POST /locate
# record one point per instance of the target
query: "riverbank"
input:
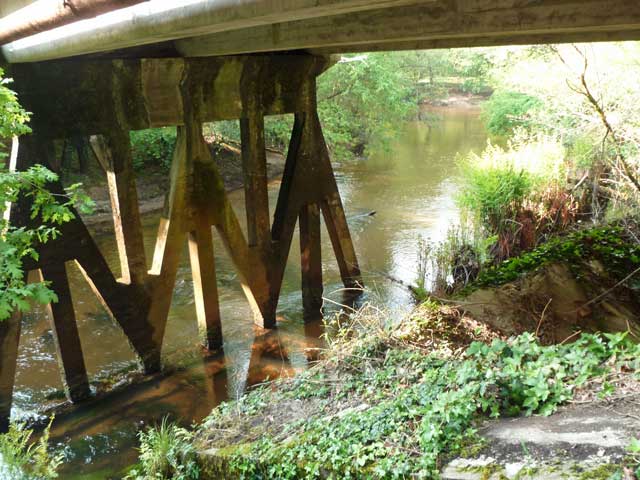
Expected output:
(153, 183)
(443, 393)
(398, 399)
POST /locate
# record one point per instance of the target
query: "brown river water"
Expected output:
(410, 186)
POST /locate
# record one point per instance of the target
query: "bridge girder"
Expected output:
(335, 26)
(441, 24)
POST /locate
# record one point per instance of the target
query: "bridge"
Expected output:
(103, 68)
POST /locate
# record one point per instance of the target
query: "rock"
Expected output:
(512, 470)
(579, 442)
(467, 468)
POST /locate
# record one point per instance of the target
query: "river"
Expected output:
(410, 186)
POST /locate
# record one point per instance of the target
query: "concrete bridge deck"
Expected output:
(194, 28)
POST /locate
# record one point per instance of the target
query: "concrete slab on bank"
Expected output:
(581, 442)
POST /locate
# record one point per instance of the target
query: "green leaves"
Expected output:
(13, 118)
(492, 194)
(19, 243)
(47, 209)
(411, 408)
(26, 460)
(166, 452)
(153, 147)
(363, 98)
(505, 111)
(605, 244)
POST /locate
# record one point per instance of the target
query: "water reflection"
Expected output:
(410, 188)
(94, 430)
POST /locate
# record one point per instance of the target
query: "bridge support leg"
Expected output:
(256, 194)
(336, 222)
(331, 203)
(186, 92)
(9, 341)
(205, 288)
(311, 260)
(113, 151)
(65, 334)
(308, 184)
(254, 166)
(163, 273)
(188, 212)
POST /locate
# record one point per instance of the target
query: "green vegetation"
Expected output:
(17, 243)
(394, 405)
(493, 192)
(585, 102)
(571, 158)
(361, 99)
(166, 452)
(607, 245)
(153, 147)
(506, 111)
(634, 456)
(397, 399)
(22, 459)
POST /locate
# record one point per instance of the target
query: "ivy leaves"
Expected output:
(415, 408)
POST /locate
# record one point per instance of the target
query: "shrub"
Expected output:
(153, 147)
(517, 193)
(506, 111)
(277, 131)
(21, 459)
(166, 452)
(493, 195)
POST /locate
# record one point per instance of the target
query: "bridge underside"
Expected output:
(206, 28)
(106, 99)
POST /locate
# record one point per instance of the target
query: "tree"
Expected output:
(363, 98)
(588, 100)
(18, 243)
